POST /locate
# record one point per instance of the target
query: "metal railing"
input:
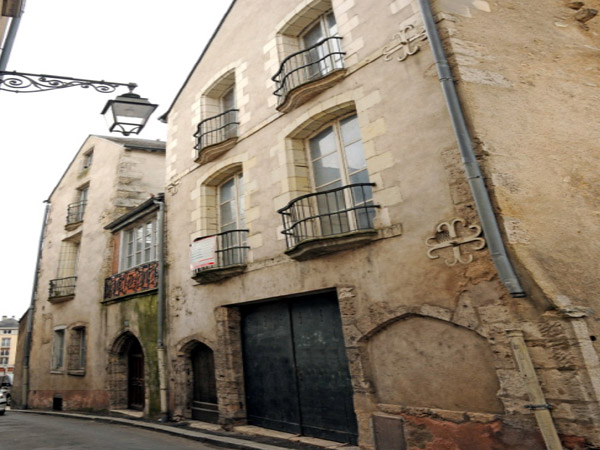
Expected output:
(308, 65)
(133, 281)
(216, 129)
(334, 212)
(62, 287)
(231, 249)
(75, 212)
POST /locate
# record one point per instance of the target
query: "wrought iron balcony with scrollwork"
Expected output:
(308, 66)
(216, 130)
(137, 280)
(75, 212)
(329, 221)
(229, 256)
(62, 287)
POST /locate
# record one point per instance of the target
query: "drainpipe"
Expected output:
(160, 347)
(539, 407)
(31, 311)
(473, 172)
(10, 40)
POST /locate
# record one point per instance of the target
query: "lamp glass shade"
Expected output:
(128, 113)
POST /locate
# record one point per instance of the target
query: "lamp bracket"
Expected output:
(31, 82)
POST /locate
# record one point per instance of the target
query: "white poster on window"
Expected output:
(203, 253)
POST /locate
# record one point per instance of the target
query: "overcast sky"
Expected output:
(153, 43)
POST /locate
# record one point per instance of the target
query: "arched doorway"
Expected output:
(135, 376)
(126, 374)
(204, 390)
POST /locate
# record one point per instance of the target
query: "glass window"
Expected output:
(338, 159)
(77, 349)
(139, 245)
(5, 342)
(231, 218)
(322, 54)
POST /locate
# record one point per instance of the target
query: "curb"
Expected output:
(174, 430)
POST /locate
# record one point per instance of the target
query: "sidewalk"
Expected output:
(242, 437)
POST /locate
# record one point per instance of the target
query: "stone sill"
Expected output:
(306, 91)
(315, 247)
(212, 152)
(444, 414)
(73, 225)
(77, 373)
(218, 273)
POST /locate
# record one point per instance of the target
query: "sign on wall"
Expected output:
(203, 253)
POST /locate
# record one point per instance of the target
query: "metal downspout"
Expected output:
(160, 347)
(10, 40)
(474, 176)
(31, 311)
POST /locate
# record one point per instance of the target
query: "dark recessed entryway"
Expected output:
(296, 370)
(135, 379)
(204, 398)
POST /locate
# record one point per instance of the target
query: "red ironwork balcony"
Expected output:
(137, 280)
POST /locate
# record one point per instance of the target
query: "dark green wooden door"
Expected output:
(296, 370)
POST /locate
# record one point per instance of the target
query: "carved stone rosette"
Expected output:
(452, 235)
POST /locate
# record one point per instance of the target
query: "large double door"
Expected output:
(295, 366)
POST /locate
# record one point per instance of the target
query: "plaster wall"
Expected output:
(117, 179)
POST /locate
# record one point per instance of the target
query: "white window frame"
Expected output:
(129, 236)
(5, 342)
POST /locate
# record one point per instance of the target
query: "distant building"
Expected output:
(9, 332)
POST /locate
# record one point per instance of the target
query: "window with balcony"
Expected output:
(76, 351)
(223, 254)
(314, 59)
(63, 286)
(218, 131)
(58, 349)
(339, 213)
(137, 261)
(75, 210)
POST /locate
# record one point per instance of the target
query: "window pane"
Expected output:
(240, 201)
(331, 25)
(227, 213)
(355, 157)
(227, 191)
(229, 100)
(322, 144)
(314, 35)
(350, 130)
(327, 170)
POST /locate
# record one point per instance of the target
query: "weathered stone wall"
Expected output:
(404, 314)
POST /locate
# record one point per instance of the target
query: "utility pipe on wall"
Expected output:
(473, 172)
(160, 347)
(540, 408)
(31, 311)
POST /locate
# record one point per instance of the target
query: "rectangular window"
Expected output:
(87, 159)
(58, 348)
(3, 361)
(76, 350)
(4, 352)
(139, 245)
(68, 259)
(5, 342)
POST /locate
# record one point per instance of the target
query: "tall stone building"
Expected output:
(94, 334)
(359, 252)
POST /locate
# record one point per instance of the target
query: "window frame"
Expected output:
(76, 363)
(130, 236)
(57, 362)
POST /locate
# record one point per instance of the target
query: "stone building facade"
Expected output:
(95, 309)
(327, 270)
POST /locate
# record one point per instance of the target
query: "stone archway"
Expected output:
(126, 373)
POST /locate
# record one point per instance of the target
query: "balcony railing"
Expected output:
(221, 251)
(216, 129)
(308, 65)
(332, 213)
(62, 287)
(75, 212)
(133, 281)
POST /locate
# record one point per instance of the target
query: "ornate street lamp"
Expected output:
(127, 114)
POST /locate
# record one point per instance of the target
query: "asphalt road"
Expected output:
(21, 431)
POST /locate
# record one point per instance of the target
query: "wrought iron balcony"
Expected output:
(218, 133)
(75, 212)
(62, 287)
(137, 280)
(320, 66)
(219, 256)
(329, 221)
